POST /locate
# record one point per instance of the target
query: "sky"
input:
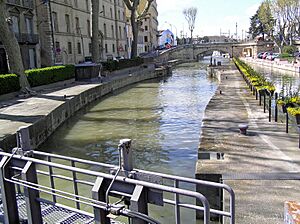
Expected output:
(212, 16)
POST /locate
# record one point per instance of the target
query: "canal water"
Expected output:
(162, 117)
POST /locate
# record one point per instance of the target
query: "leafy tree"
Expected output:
(190, 15)
(137, 15)
(12, 49)
(256, 27)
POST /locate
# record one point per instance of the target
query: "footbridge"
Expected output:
(196, 51)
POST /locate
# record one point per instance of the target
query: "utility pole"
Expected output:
(236, 34)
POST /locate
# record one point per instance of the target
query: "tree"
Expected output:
(265, 17)
(95, 31)
(136, 17)
(190, 15)
(256, 27)
(12, 48)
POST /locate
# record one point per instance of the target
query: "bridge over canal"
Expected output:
(196, 51)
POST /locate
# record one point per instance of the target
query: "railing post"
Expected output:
(264, 102)
(270, 108)
(287, 122)
(138, 203)
(98, 193)
(8, 194)
(51, 179)
(276, 107)
(33, 207)
(23, 136)
(75, 185)
(126, 154)
(176, 199)
(259, 99)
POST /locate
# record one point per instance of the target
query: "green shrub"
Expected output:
(289, 50)
(44, 76)
(122, 64)
(9, 83)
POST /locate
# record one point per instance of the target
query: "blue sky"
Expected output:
(212, 16)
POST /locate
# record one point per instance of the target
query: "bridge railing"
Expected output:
(64, 177)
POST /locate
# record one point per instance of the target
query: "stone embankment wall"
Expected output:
(43, 127)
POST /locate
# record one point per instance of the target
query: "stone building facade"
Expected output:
(70, 32)
(24, 25)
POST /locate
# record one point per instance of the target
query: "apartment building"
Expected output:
(24, 25)
(66, 25)
(148, 32)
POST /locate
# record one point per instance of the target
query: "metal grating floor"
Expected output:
(52, 214)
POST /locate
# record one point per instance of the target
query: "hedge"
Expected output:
(9, 83)
(44, 76)
(122, 64)
(37, 77)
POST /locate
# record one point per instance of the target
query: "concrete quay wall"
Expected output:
(67, 102)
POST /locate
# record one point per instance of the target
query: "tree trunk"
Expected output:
(191, 37)
(95, 32)
(12, 49)
(135, 33)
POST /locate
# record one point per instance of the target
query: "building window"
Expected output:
(113, 48)
(105, 30)
(29, 25)
(145, 48)
(77, 25)
(145, 39)
(111, 13)
(123, 16)
(67, 19)
(87, 5)
(103, 10)
(106, 50)
(78, 48)
(15, 24)
(55, 21)
(112, 31)
(88, 28)
(57, 46)
(146, 28)
(120, 32)
(90, 48)
(69, 48)
(119, 14)
(125, 33)
(76, 3)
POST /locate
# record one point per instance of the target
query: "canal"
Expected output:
(162, 117)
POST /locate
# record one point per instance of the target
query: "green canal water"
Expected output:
(162, 117)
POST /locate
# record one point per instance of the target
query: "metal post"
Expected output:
(75, 185)
(270, 109)
(126, 154)
(256, 95)
(264, 102)
(177, 208)
(23, 137)
(276, 107)
(33, 207)
(51, 179)
(287, 122)
(8, 194)
(259, 99)
(138, 203)
(98, 193)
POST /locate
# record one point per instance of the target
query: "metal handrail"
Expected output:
(56, 192)
(163, 175)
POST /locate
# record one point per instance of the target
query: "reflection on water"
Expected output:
(162, 117)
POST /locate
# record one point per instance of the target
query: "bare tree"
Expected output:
(190, 15)
(95, 31)
(12, 48)
(136, 17)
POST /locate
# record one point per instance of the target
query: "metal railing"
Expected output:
(134, 187)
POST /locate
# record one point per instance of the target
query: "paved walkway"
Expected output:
(258, 166)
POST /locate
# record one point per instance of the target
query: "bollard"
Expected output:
(259, 99)
(264, 102)
(270, 108)
(287, 122)
(276, 107)
(126, 154)
(23, 139)
(256, 95)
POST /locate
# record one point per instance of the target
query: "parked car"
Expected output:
(272, 56)
(260, 54)
(265, 55)
(118, 58)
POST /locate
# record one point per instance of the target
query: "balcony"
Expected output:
(22, 3)
(25, 38)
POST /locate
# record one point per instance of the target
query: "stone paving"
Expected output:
(257, 166)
